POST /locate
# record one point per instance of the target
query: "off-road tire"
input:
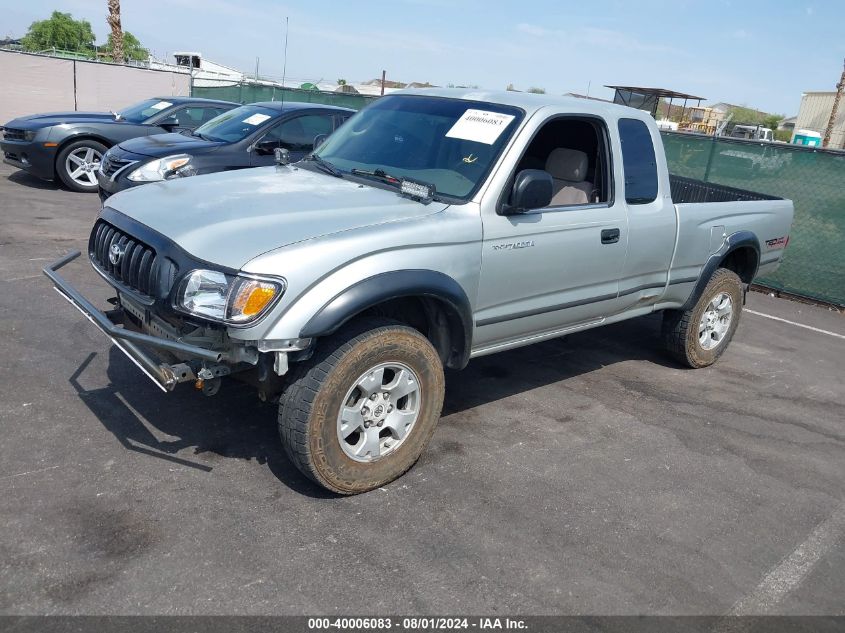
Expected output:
(309, 406)
(681, 327)
(61, 159)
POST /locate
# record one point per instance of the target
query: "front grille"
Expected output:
(10, 134)
(111, 165)
(138, 266)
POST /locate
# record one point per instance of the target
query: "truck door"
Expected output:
(556, 267)
(651, 215)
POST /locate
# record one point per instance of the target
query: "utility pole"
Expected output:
(383, 75)
(829, 131)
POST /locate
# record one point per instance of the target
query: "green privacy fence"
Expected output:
(814, 263)
(250, 93)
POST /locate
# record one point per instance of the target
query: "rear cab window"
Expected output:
(638, 162)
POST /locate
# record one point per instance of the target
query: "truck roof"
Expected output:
(531, 102)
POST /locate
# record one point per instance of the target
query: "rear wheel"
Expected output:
(697, 337)
(77, 165)
(359, 413)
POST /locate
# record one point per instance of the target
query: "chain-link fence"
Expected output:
(814, 263)
(252, 92)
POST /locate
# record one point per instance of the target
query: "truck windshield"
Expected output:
(144, 110)
(448, 143)
(237, 124)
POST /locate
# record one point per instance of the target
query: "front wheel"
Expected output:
(77, 165)
(697, 337)
(359, 413)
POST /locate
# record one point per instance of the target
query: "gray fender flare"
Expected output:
(395, 285)
(734, 241)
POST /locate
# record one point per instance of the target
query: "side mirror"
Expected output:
(282, 156)
(169, 123)
(532, 189)
(319, 140)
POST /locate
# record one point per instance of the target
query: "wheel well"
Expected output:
(437, 320)
(74, 139)
(743, 261)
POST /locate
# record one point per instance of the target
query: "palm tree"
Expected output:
(116, 31)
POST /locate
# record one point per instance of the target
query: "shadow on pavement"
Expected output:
(20, 177)
(188, 429)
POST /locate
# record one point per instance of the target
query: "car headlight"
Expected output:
(166, 168)
(236, 300)
(28, 135)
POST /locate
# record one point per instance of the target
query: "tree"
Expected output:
(132, 49)
(536, 91)
(61, 31)
(341, 82)
(772, 121)
(116, 36)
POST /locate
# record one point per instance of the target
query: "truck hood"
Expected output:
(230, 218)
(160, 145)
(57, 118)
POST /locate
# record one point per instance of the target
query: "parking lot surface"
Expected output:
(588, 475)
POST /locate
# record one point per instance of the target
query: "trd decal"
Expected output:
(778, 242)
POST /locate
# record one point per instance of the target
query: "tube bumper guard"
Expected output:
(128, 341)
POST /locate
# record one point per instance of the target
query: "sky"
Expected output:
(756, 53)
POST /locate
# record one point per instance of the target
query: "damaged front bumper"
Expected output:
(132, 343)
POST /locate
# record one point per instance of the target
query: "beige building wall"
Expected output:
(31, 84)
(814, 114)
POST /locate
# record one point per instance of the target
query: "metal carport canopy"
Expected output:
(654, 94)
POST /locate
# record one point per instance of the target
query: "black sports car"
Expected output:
(69, 145)
(244, 137)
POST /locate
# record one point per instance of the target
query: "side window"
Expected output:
(573, 150)
(297, 135)
(638, 162)
(192, 117)
(340, 119)
(183, 115)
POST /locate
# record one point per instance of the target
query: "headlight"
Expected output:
(232, 299)
(163, 169)
(28, 135)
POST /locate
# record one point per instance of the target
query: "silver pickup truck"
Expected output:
(433, 227)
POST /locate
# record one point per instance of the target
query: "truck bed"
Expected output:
(685, 190)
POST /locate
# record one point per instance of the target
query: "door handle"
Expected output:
(609, 236)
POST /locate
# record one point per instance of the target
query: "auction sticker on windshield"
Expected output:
(161, 105)
(480, 126)
(255, 119)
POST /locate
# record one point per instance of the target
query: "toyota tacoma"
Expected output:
(433, 227)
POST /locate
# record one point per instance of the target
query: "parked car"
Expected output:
(69, 145)
(434, 227)
(243, 137)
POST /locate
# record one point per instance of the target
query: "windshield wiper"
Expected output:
(324, 165)
(377, 173)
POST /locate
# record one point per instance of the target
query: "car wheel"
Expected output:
(359, 413)
(697, 337)
(77, 165)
